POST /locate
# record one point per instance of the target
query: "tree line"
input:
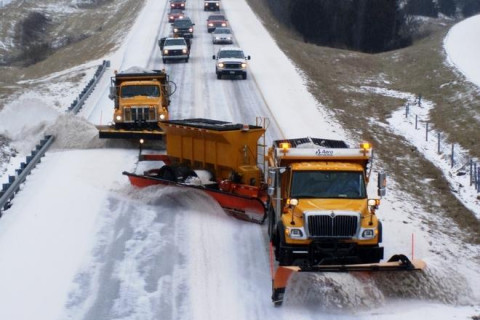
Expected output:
(364, 25)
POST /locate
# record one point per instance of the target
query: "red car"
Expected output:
(175, 14)
(216, 20)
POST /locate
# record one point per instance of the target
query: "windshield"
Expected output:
(175, 42)
(328, 184)
(182, 23)
(231, 54)
(132, 91)
(220, 30)
(216, 18)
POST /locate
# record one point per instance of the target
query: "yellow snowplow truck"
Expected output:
(320, 217)
(141, 100)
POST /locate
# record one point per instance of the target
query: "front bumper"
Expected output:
(176, 57)
(328, 253)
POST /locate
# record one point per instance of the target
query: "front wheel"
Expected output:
(244, 76)
(219, 76)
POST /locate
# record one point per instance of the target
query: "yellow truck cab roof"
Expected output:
(326, 165)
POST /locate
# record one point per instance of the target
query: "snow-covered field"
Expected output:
(80, 243)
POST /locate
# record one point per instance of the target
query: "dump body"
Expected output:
(224, 152)
(141, 100)
(228, 150)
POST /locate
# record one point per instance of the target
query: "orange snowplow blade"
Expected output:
(240, 206)
(397, 262)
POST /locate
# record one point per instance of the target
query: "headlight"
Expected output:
(118, 118)
(244, 65)
(296, 233)
(218, 4)
(175, 30)
(206, 4)
(190, 30)
(221, 65)
(210, 24)
(368, 234)
(224, 24)
(184, 50)
(217, 38)
(162, 116)
(183, 5)
(172, 17)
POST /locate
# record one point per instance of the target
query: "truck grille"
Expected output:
(332, 226)
(135, 114)
(175, 52)
(233, 65)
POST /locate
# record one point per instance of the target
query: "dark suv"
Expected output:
(211, 5)
(183, 28)
(177, 4)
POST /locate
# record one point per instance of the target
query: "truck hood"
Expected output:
(357, 205)
(175, 47)
(237, 60)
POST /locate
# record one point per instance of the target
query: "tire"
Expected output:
(280, 239)
(186, 60)
(271, 224)
(164, 61)
(244, 76)
(219, 76)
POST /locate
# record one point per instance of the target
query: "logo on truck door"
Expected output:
(324, 152)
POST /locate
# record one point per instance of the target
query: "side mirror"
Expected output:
(382, 184)
(112, 93)
(213, 57)
(272, 182)
(248, 57)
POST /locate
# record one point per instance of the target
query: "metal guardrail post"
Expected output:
(14, 183)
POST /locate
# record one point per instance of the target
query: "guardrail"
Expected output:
(9, 189)
(77, 104)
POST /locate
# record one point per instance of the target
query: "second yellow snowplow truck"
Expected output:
(141, 100)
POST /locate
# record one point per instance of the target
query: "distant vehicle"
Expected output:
(222, 35)
(175, 14)
(174, 49)
(183, 28)
(231, 61)
(216, 20)
(177, 4)
(211, 5)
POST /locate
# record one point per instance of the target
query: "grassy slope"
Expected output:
(417, 69)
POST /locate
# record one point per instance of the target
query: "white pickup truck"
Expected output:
(174, 49)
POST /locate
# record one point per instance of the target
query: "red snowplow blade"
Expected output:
(239, 206)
